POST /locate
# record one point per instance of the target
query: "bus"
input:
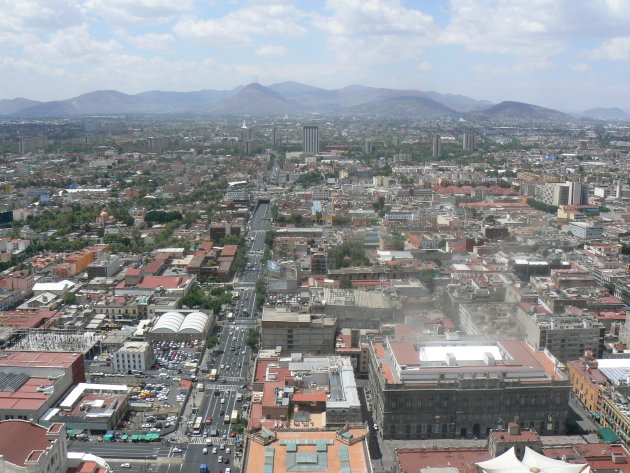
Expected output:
(198, 426)
(213, 375)
(234, 416)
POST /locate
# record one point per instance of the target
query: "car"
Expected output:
(375, 426)
(243, 386)
(226, 460)
(205, 450)
(220, 459)
(222, 413)
(215, 449)
(222, 400)
(227, 451)
(222, 447)
(125, 465)
(208, 420)
(227, 470)
(233, 434)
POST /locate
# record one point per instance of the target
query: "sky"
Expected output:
(564, 54)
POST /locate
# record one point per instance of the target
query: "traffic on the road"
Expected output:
(209, 438)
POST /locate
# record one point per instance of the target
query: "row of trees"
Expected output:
(538, 205)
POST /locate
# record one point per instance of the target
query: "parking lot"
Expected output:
(157, 395)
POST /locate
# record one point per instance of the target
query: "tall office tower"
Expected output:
(311, 139)
(368, 146)
(246, 138)
(437, 146)
(275, 136)
(469, 141)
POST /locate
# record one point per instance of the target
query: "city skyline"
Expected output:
(559, 54)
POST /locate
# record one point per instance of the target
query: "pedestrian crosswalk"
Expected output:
(223, 387)
(213, 441)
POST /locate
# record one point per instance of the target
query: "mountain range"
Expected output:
(292, 98)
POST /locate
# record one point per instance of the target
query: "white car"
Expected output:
(227, 451)
(205, 450)
(125, 465)
(215, 450)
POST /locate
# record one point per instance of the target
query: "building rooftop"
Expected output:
(38, 359)
(300, 451)
(18, 438)
(430, 362)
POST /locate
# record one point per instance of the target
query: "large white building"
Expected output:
(586, 231)
(181, 326)
(133, 356)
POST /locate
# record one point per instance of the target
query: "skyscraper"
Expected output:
(437, 146)
(469, 141)
(246, 138)
(311, 139)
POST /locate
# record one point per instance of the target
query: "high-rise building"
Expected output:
(564, 193)
(437, 146)
(469, 141)
(246, 138)
(311, 139)
(368, 146)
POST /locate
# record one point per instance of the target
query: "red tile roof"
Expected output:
(310, 395)
(412, 461)
(18, 438)
(167, 282)
(229, 250)
(405, 353)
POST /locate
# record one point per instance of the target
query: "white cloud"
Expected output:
(517, 26)
(425, 66)
(615, 49)
(271, 50)
(532, 27)
(152, 41)
(239, 26)
(372, 31)
(580, 68)
(139, 11)
(519, 68)
(45, 15)
(72, 45)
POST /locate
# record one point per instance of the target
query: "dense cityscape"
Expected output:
(313, 293)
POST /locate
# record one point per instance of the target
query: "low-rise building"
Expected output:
(31, 448)
(133, 356)
(297, 332)
(586, 230)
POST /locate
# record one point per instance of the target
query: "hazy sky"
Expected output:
(568, 54)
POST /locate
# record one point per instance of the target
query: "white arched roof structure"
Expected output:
(533, 462)
(195, 322)
(169, 322)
